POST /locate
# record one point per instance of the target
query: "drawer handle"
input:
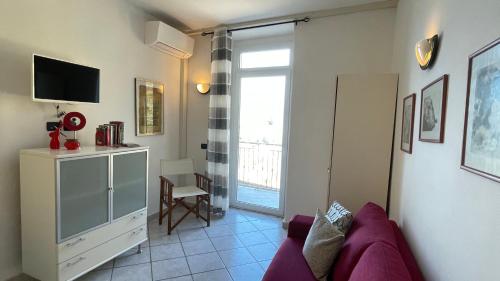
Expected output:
(137, 232)
(71, 244)
(69, 264)
(137, 216)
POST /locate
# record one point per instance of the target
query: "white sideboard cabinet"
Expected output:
(79, 209)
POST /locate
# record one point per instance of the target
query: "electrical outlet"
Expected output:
(51, 126)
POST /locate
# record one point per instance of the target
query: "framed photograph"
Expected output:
(481, 142)
(407, 123)
(148, 107)
(433, 110)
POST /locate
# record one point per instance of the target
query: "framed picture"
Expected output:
(481, 142)
(407, 123)
(433, 110)
(148, 107)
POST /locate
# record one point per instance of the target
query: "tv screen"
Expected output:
(60, 81)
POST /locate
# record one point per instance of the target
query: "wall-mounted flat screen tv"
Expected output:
(59, 81)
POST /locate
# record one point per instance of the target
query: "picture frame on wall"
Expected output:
(433, 110)
(407, 123)
(148, 107)
(481, 139)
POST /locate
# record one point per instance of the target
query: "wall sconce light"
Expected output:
(425, 51)
(203, 88)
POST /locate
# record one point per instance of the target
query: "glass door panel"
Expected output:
(129, 183)
(261, 117)
(260, 105)
(83, 195)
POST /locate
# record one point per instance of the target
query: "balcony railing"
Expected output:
(259, 165)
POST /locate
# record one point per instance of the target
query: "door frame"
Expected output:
(237, 73)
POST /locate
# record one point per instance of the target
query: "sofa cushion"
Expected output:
(380, 262)
(299, 226)
(370, 225)
(406, 254)
(322, 245)
(289, 263)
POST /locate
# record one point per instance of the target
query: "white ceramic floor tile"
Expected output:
(170, 268)
(198, 247)
(168, 251)
(275, 234)
(265, 264)
(216, 275)
(190, 223)
(267, 223)
(218, 230)
(247, 272)
(277, 244)
(131, 257)
(252, 238)
(226, 242)
(106, 265)
(100, 275)
(155, 228)
(246, 242)
(217, 221)
(182, 278)
(262, 252)
(139, 272)
(192, 234)
(235, 218)
(242, 227)
(251, 216)
(156, 239)
(204, 262)
(236, 257)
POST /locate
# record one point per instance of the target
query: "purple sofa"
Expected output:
(374, 250)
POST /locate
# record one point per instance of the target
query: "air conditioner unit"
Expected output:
(168, 40)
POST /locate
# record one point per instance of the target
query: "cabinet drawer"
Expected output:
(84, 262)
(87, 241)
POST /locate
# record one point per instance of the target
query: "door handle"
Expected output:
(135, 217)
(69, 264)
(71, 244)
(137, 232)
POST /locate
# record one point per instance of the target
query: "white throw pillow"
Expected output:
(323, 243)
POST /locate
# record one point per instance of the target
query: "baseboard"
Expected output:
(22, 277)
(156, 215)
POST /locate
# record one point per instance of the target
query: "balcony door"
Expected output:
(260, 102)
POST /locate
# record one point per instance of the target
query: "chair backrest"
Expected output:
(177, 167)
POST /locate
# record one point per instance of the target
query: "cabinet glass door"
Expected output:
(129, 182)
(83, 195)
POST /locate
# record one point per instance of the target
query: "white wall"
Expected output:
(105, 34)
(197, 108)
(324, 48)
(450, 217)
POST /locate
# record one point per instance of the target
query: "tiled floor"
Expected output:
(237, 247)
(259, 196)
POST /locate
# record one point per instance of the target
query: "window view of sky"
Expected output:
(262, 103)
(271, 58)
(261, 109)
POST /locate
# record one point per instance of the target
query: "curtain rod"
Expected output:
(296, 21)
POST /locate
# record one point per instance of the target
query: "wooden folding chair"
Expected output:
(173, 196)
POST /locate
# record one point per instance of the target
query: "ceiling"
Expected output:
(198, 14)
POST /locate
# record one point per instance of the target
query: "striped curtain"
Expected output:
(218, 119)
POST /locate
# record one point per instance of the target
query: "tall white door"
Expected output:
(362, 139)
(259, 124)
